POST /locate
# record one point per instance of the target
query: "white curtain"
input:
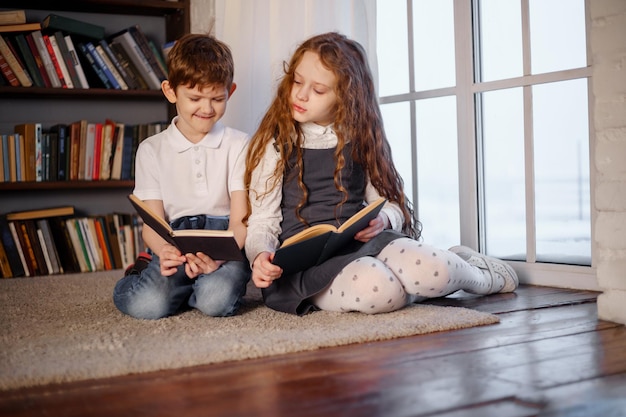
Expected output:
(262, 34)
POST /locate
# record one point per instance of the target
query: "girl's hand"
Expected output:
(376, 226)
(264, 271)
(200, 263)
(170, 259)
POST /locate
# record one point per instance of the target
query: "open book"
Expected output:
(315, 244)
(218, 244)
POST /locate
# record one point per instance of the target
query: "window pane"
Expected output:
(557, 35)
(392, 47)
(503, 154)
(500, 40)
(433, 41)
(562, 195)
(397, 119)
(438, 171)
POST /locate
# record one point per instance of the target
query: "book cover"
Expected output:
(54, 22)
(77, 131)
(44, 250)
(103, 243)
(97, 151)
(218, 244)
(128, 153)
(47, 60)
(315, 244)
(53, 156)
(14, 64)
(108, 139)
(10, 248)
(94, 245)
(87, 152)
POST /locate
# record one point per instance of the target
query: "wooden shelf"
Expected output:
(65, 185)
(132, 7)
(80, 93)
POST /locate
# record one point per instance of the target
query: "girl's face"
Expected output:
(198, 109)
(313, 97)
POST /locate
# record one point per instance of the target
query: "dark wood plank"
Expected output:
(557, 359)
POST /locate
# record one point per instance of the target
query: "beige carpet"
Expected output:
(66, 328)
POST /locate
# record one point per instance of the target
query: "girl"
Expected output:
(319, 155)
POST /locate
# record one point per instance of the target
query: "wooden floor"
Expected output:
(549, 356)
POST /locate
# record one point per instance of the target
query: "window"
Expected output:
(491, 98)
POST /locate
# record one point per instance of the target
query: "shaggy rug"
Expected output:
(65, 328)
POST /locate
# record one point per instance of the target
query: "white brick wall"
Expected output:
(608, 46)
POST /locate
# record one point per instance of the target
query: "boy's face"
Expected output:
(313, 97)
(198, 108)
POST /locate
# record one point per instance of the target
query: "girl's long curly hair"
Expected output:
(357, 120)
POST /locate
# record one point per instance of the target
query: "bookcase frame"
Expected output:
(90, 197)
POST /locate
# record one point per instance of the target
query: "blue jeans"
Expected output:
(150, 295)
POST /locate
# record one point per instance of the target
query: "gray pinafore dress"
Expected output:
(291, 293)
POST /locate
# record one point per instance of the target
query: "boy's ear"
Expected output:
(233, 87)
(168, 91)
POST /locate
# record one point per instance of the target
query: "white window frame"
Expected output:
(471, 192)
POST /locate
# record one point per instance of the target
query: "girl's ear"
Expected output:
(168, 91)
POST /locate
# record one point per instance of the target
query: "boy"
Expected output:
(191, 174)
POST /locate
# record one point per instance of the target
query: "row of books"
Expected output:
(61, 52)
(57, 240)
(80, 150)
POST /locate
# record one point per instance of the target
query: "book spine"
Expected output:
(133, 73)
(29, 60)
(76, 62)
(55, 60)
(25, 263)
(55, 22)
(111, 67)
(94, 66)
(8, 72)
(141, 63)
(47, 60)
(12, 17)
(61, 61)
(67, 59)
(15, 66)
(38, 60)
(128, 79)
(102, 65)
(10, 248)
(144, 45)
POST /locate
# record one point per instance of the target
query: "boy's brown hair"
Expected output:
(202, 60)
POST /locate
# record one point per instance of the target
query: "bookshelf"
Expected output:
(161, 21)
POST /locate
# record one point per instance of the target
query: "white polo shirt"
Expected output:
(191, 179)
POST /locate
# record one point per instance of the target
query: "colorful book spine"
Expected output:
(47, 60)
(76, 62)
(61, 61)
(55, 60)
(15, 66)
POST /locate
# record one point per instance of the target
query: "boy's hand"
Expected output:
(264, 271)
(170, 259)
(200, 263)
